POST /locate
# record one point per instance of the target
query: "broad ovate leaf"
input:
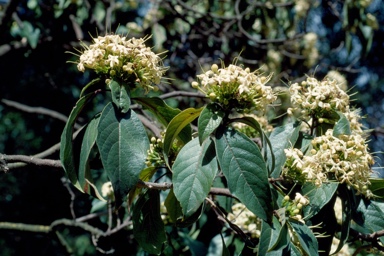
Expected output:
(245, 170)
(193, 173)
(123, 145)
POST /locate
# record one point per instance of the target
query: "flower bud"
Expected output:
(214, 68)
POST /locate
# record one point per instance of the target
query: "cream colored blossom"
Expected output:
(107, 190)
(316, 98)
(127, 60)
(338, 208)
(245, 219)
(344, 159)
(340, 79)
(301, 7)
(237, 88)
(310, 51)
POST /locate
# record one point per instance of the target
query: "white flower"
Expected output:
(236, 88)
(127, 60)
(107, 189)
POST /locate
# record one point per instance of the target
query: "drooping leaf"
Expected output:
(66, 147)
(148, 227)
(209, 119)
(281, 138)
(306, 238)
(193, 173)
(120, 95)
(245, 170)
(173, 207)
(273, 238)
(88, 142)
(346, 206)
(164, 114)
(176, 125)
(123, 146)
(318, 196)
(188, 221)
(342, 126)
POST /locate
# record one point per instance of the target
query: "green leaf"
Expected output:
(377, 186)
(148, 227)
(209, 119)
(66, 146)
(342, 126)
(281, 138)
(87, 144)
(120, 95)
(273, 238)
(372, 215)
(193, 173)
(188, 221)
(173, 207)
(145, 175)
(177, 124)
(164, 114)
(306, 238)
(318, 196)
(269, 155)
(245, 170)
(123, 145)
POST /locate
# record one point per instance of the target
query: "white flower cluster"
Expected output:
(314, 98)
(310, 51)
(127, 60)
(236, 88)
(344, 159)
(245, 219)
(301, 7)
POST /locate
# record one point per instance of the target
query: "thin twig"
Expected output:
(38, 110)
(182, 93)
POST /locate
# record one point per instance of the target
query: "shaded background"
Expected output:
(36, 36)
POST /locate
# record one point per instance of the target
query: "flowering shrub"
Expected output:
(281, 185)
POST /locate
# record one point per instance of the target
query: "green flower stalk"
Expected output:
(236, 88)
(126, 60)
